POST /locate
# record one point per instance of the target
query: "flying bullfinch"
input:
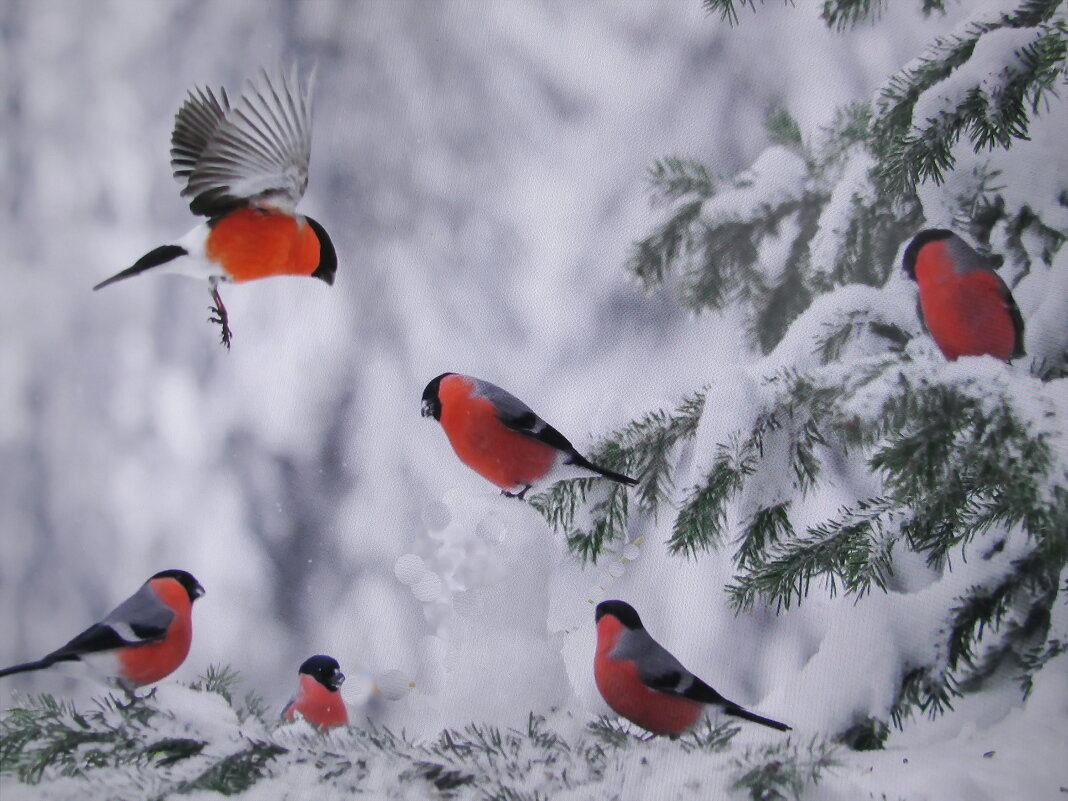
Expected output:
(144, 639)
(963, 302)
(644, 683)
(318, 699)
(244, 167)
(500, 438)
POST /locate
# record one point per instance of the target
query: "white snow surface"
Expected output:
(1000, 46)
(480, 168)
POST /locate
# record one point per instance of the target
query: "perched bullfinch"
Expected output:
(144, 639)
(245, 168)
(500, 438)
(318, 699)
(963, 302)
(644, 683)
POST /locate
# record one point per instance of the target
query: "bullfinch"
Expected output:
(963, 302)
(244, 167)
(644, 683)
(500, 438)
(318, 698)
(142, 640)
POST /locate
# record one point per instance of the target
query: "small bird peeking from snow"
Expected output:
(318, 698)
(502, 439)
(245, 168)
(142, 640)
(645, 684)
(964, 303)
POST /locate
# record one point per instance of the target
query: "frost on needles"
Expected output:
(205, 739)
(950, 479)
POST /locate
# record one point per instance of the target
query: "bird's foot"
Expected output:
(521, 495)
(219, 315)
(131, 697)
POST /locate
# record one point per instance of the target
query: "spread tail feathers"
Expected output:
(738, 712)
(154, 258)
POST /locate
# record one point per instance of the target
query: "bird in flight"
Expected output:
(244, 167)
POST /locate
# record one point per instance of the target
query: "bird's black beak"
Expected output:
(198, 591)
(337, 680)
(427, 409)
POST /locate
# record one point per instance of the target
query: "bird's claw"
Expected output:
(221, 318)
(521, 495)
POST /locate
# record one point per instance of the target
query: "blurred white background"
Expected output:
(480, 167)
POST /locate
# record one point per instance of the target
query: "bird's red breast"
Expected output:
(144, 664)
(505, 457)
(965, 312)
(252, 243)
(621, 687)
(318, 705)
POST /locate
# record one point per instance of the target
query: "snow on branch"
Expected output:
(801, 220)
(838, 14)
(986, 81)
(185, 741)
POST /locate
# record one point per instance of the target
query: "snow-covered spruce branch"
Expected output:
(782, 771)
(645, 448)
(798, 222)
(838, 14)
(952, 90)
(184, 740)
(967, 466)
(807, 217)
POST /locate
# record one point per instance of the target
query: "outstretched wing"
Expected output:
(517, 416)
(195, 125)
(256, 151)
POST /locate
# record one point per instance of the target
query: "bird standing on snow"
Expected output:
(144, 639)
(963, 301)
(644, 683)
(500, 438)
(245, 168)
(318, 699)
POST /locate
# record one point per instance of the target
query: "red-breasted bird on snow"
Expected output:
(318, 699)
(964, 303)
(244, 167)
(144, 639)
(644, 683)
(501, 438)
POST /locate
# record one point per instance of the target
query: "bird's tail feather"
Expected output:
(738, 712)
(581, 461)
(154, 258)
(40, 664)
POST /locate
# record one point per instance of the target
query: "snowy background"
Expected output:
(480, 167)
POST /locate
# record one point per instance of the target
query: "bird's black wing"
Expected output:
(1017, 325)
(103, 637)
(516, 415)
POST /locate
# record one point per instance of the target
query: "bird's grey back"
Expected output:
(142, 609)
(965, 258)
(509, 407)
(653, 660)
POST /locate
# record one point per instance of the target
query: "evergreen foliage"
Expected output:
(845, 201)
(155, 748)
(781, 771)
(968, 460)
